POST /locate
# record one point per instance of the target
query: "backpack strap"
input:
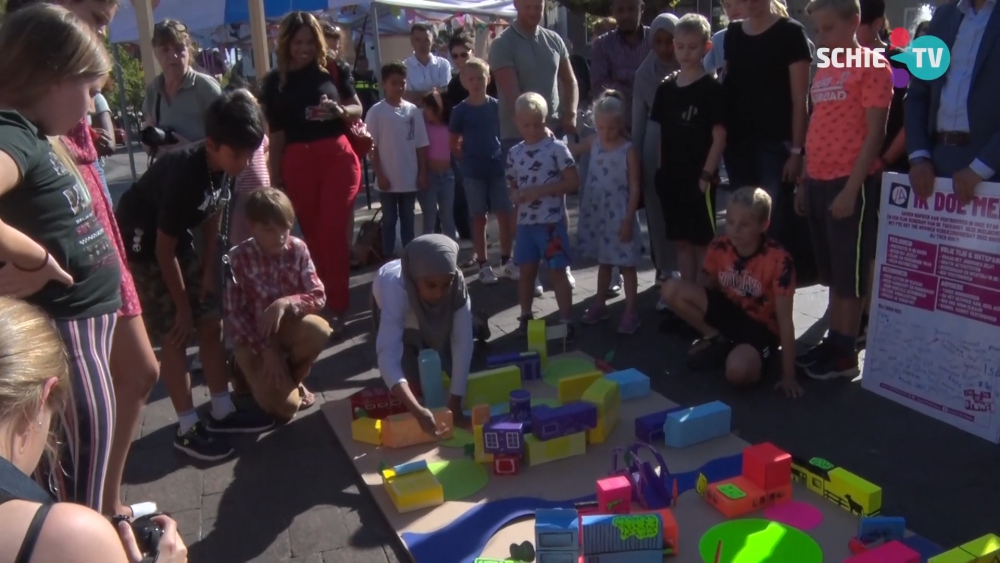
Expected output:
(31, 536)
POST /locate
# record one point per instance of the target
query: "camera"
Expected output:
(155, 137)
(147, 534)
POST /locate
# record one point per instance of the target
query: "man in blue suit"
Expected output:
(953, 123)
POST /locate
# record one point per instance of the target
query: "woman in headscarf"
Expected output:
(646, 135)
(421, 302)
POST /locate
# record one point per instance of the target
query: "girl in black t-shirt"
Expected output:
(55, 252)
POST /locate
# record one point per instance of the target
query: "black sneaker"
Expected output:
(480, 326)
(712, 357)
(834, 365)
(522, 326)
(198, 443)
(570, 332)
(239, 422)
(814, 355)
(862, 340)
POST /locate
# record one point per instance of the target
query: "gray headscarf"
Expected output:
(431, 255)
(652, 71)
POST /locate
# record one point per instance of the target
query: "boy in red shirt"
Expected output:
(744, 309)
(843, 143)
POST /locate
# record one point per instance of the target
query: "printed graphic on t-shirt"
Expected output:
(95, 246)
(411, 129)
(752, 282)
(537, 165)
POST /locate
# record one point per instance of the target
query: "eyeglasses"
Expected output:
(462, 55)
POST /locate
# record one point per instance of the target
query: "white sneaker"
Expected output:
(511, 271)
(662, 306)
(487, 276)
(539, 290)
(570, 278)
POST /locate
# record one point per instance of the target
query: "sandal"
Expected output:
(308, 398)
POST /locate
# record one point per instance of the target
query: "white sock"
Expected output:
(222, 405)
(186, 421)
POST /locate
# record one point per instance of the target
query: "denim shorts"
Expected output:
(487, 195)
(544, 242)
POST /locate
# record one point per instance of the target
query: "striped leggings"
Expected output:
(88, 422)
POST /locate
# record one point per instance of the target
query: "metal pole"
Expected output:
(120, 79)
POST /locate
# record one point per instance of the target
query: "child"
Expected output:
(743, 308)
(181, 191)
(399, 156)
(608, 228)
(250, 179)
(716, 57)
(540, 172)
(271, 307)
(438, 200)
(843, 143)
(475, 138)
(689, 108)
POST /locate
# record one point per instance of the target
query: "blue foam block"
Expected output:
(925, 547)
(697, 424)
(410, 467)
(632, 383)
(557, 529)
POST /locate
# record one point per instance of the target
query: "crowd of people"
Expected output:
(101, 286)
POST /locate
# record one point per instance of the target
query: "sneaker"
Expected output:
(662, 307)
(814, 355)
(487, 276)
(511, 271)
(834, 365)
(616, 287)
(522, 326)
(713, 356)
(570, 332)
(196, 362)
(539, 290)
(595, 314)
(570, 278)
(239, 422)
(629, 323)
(480, 326)
(198, 443)
(862, 341)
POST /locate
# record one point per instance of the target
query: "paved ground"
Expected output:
(292, 495)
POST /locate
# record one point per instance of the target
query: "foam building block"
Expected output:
(492, 386)
(632, 383)
(603, 393)
(538, 341)
(367, 430)
(410, 467)
(375, 402)
(402, 430)
(572, 388)
(413, 491)
(767, 466)
(892, 552)
(505, 438)
(520, 405)
(697, 424)
(671, 532)
(614, 495)
(431, 378)
(887, 528)
(557, 531)
(506, 465)
(618, 538)
(649, 427)
(957, 555)
(736, 497)
(558, 448)
(530, 363)
(981, 550)
(479, 443)
(860, 497)
(925, 547)
(481, 414)
(552, 422)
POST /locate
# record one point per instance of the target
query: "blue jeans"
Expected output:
(396, 207)
(438, 200)
(757, 162)
(104, 180)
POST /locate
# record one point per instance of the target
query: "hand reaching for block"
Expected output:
(429, 425)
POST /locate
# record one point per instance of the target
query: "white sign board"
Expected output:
(934, 331)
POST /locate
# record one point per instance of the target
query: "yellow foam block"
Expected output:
(852, 488)
(402, 430)
(367, 430)
(572, 388)
(413, 491)
(492, 387)
(604, 394)
(538, 341)
(957, 555)
(480, 447)
(550, 450)
(986, 549)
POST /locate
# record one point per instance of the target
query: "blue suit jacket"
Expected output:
(924, 98)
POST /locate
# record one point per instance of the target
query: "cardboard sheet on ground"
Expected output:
(444, 534)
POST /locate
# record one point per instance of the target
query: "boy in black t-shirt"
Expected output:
(689, 108)
(184, 190)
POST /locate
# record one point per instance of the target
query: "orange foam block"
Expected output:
(671, 532)
(736, 497)
(402, 430)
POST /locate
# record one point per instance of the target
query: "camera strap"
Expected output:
(158, 109)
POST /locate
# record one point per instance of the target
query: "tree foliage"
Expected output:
(603, 7)
(132, 75)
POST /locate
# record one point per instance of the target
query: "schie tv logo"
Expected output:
(925, 57)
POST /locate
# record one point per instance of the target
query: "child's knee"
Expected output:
(314, 334)
(743, 366)
(670, 291)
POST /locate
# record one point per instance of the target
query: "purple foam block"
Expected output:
(649, 428)
(548, 423)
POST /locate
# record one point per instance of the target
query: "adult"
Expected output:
(526, 57)
(425, 71)
(616, 55)
(766, 91)
(953, 124)
(421, 302)
(365, 83)
(34, 387)
(646, 134)
(716, 57)
(308, 110)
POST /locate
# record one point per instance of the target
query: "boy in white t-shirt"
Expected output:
(540, 172)
(399, 156)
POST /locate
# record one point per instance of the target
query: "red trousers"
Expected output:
(322, 179)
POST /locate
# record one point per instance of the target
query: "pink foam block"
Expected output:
(892, 552)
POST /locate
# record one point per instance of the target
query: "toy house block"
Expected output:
(766, 465)
(860, 497)
(375, 402)
(603, 394)
(492, 387)
(538, 341)
(649, 427)
(694, 425)
(506, 465)
(367, 430)
(572, 388)
(986, 549)
(886, 528)
(558, 448)
(402, 430)
(413, 491)
(622, 538)
(614, 495)
(520, 405)
(479, 453)
(481, 414)
(632, 383)
(548, 423)
(736, 497)
(431, 378)
(530, 363)
(557, 530)
(892, 552)
(671, 532)
(504, 438)
(957, 555)
(778, 495)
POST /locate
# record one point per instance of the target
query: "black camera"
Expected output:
(147, 534)
(155, 137)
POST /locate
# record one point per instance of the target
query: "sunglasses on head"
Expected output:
(171, 25)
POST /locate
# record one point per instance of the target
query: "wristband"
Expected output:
(38, 269)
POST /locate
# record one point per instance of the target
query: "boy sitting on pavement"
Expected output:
(744, 310)
(271, 307)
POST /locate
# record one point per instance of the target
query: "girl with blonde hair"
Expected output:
(55, 251)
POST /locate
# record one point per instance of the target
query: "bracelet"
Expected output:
(33, 270)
